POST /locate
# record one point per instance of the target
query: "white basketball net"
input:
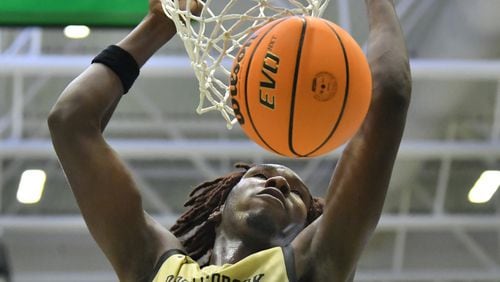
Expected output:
(213, 39)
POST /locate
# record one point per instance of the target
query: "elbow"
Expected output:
(57, 119)
(70, 115)
(60, 122)
(62, 114)
(393, 86)
(398, 90)
(66, 126)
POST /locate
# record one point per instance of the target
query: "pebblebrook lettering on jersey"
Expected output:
(271, 265)
(216, 277)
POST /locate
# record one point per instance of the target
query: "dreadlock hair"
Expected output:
(196, 228)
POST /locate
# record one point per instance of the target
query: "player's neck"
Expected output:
(228, 249)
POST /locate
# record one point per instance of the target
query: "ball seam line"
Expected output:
(346, 94)
(294, 89)
(246, 86)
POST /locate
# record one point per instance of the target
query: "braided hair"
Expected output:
(196, 226)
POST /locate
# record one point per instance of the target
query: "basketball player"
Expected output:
(257, 224)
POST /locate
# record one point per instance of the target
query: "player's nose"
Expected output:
(280, 183)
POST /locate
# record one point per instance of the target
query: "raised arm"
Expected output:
(359, 184)
(106, 194)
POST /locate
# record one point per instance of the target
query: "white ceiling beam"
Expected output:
(75, 223)
(179, 66)
(163, 149)
(438, 223)
(454, 275)
(362, 276)
(442, 69)
(71, 65)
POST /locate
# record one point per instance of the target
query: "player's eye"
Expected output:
(298, 193)
(260, 175)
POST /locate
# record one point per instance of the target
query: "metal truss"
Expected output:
(475, 237)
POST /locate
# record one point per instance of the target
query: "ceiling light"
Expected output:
(31, 186)
(485, 187)
(76, 31)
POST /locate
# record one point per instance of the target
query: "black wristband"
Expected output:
(121, 63)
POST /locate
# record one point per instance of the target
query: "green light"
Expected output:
(108, 13)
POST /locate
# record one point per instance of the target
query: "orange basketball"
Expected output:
(300, 86)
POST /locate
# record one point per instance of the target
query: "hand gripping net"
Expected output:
(213, 38)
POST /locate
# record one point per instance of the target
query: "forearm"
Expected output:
(149, 36)
(90, 99)
(154, 32)
(372, 151)
(363, 173)
(387, 52)
(358, 188)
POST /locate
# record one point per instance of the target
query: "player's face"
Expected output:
(270, 202)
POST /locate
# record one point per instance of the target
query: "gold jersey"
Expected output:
(271, 265)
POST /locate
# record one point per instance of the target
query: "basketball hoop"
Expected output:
(213, 38)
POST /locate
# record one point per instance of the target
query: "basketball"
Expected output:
(300, 86)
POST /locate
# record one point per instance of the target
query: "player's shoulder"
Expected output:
(313, 260)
